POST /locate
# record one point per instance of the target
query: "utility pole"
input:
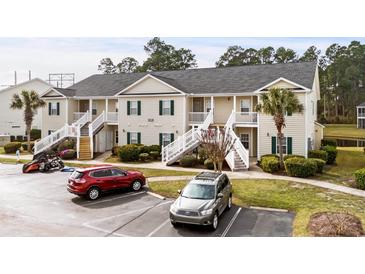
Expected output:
(15, 78)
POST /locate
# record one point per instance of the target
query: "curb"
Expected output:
(156, 195)
(269, 209)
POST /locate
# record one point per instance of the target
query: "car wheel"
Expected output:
(93, 193)
(136, 185)
(229, 204)
(215, 221)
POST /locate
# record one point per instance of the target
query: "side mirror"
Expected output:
(179, 191)
(220, 195)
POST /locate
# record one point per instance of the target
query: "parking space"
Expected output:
(39, 205)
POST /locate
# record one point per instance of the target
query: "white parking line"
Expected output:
(105, 231)
(158, 228)
(116, 198)
(231, 222)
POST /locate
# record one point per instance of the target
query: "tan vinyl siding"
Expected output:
(72, 108)
(252, 138)
(222, 109)
(150, 85)
(150, 129)
(295, 128)
(53, 122)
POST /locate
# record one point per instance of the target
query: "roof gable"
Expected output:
(283, 83)
(32, 84)
(52, 92)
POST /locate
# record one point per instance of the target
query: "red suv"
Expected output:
(91, 182)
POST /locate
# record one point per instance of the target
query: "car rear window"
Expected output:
(76, 174)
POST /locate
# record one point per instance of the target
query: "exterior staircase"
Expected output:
(185, 143)
(85, 149)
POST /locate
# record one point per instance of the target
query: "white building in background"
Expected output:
(12, 121)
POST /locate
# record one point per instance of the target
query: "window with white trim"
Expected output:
(285, 145)
(166, 139)
(94, 109)
(245, 105)
(166, 107)
(134, 138)
(134, 108)
(208, 105)
(245, 140)
(53, 108)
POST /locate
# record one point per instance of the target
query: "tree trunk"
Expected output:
(28, 138)
(215, 166)
(280, 139)
(220, 166)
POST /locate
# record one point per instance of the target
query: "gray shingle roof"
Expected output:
(238, 79)
(362, 104)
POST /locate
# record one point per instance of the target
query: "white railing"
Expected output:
(237, 145)
(55, 137)
(246, 117)
(78, 115)
(185, 142)
(94, 125)
(197, 117)
(83, 119)
(112, 117)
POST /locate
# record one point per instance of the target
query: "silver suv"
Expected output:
(202, 200)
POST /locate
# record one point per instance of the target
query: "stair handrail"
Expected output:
(83, 120)
(94, 125)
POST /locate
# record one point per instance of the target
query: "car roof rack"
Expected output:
(208, 175)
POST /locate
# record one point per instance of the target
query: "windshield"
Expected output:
(199, 191)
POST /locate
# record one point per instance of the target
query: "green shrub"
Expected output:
(153, 148)
(319, 163)
(154, 154)
(360, 178)
(144, 157)
(115, 150)
(270, 155)
(25, 145)
(329, 142)
(66, 144)
(188, 161)
(202, 155)
(19, 138)
(300, 167)
(128, 153)
(12, 147)
(318, 154)
(208, 163)
(68, 154)
(270, 164)
(286, 157)
(35, 134)
(331, 154)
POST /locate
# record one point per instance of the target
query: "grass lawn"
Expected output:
(346, 131)
(116, 160)
(302, 199)
(22, 152)
(349, 159)
(148, 172)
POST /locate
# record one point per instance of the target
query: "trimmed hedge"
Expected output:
(270, 155)
(148, 149)
(188, 161)
(68, 154)
(154, 154)
(25, 145)
(208, 163)
(318, 154)
(270, 164)
(115, 150)
(300, 167)
(329, 142)
(202, 155)
(66, 144)
(144, 157)
(360, 178)
(286, 157)
(331, 154)
(128, 153)
(320, 164)
(12, 147)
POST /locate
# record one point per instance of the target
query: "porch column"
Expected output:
(91, 107)
(184, 116)
(78, 106)
(106, 105)
(67, 114)
(212, 102)
(234, 103)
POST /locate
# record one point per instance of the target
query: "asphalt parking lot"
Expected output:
(38, 204)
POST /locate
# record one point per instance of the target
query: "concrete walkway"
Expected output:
(255, 173)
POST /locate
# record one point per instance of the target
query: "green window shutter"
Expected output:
(58, 108)
(139, 107)
(138, 137)
(160, 103)
(273, 144)
(128, 107)
(172, 137)
(161, 139)
(49, 109)
(289, 113)
(289, 145)
(128, 138)
(172, 108)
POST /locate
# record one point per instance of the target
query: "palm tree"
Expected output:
(277, 103)
(29, 101)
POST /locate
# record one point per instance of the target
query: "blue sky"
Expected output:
(82, 55)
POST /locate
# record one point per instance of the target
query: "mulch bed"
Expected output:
(332, 224)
